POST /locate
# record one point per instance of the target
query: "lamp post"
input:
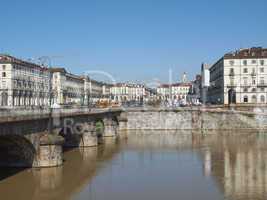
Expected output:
(46, 60)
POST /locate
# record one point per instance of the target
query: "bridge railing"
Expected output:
(4, 113)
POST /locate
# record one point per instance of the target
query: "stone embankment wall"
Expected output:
(194, 119)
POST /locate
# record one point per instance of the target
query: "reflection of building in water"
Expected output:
(240, 168)
(247, 175)
(207, 163)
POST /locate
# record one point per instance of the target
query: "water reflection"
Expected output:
(80, 166)
(239, 164)
(152, 166)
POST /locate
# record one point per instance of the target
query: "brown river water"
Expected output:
(151, 166)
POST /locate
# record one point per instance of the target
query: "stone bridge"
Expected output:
(31, 139)
(35, 138)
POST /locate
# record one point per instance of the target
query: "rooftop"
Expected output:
(175, 85)
(254, 52)
(12, 60)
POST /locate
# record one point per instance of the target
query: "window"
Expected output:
(245, 62)
(262, 62)
(253, 89)
(262, 89)
(262, 70)
(245, 79)
(262, 80)
(3, 74)
(4, 84)
(232, 81)
(245, 90)
(15, 83)
(262, 98)
(253, 61)
(245, 70)
(231, 70)
(245, 99)
(231, 62)
(4, 67)
(254, 99)
(253, 82)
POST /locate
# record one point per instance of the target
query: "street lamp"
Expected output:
(46, 60)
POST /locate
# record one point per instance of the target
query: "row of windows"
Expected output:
(29, 84)
(245, 70)
(245, 62)
(246, 82)
(254, 90)
(254, 99)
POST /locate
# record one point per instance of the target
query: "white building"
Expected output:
(23, 83)
(106, 90)
(175, 91)
(73, 89)
(122, 92)
(96, 90)
(240, 77)
(28, 84)
(67, 88)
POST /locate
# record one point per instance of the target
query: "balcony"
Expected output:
(231, 85)
(245, 85)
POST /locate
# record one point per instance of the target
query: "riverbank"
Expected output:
(195, 119)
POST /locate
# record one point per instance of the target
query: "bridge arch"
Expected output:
(16, 151)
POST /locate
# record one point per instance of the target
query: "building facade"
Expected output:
(96, 90)
(175, 91)
(123, 92)
(240, 77)
(23, 83)
(67, 88)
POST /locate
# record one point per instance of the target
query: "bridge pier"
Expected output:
(122, 129)
(80, 135)
(49, 152)
(110, 128)
(31, 150)
(89, 136)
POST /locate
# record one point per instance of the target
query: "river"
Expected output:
(150, 166)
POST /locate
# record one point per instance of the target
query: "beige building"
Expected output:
(23, 83)
(239, 77)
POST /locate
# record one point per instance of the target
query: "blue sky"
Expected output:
(131, 39)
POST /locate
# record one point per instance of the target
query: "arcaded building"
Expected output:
(23, 83)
